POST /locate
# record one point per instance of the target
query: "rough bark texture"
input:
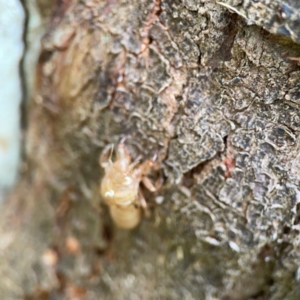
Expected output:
(216, 99)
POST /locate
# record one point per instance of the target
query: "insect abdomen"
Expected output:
(126, 217)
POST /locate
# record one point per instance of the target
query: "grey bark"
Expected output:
(213, 90)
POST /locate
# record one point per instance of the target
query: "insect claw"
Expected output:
(155, 164)
(104, 155)
(125, 138)
(111, 152)
(154, 157)
(136, 162)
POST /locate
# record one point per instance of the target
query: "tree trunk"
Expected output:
(212, 89)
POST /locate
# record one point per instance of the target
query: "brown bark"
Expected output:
(216, 99)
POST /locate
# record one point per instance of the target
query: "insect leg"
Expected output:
(148, 184)
(160, 181)
(104, 155)
(135, 162)
(122, 152)
(143, 203)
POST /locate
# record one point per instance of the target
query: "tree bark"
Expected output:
(213, 90)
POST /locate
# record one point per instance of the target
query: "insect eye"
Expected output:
(127, 180)
(109, 194)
